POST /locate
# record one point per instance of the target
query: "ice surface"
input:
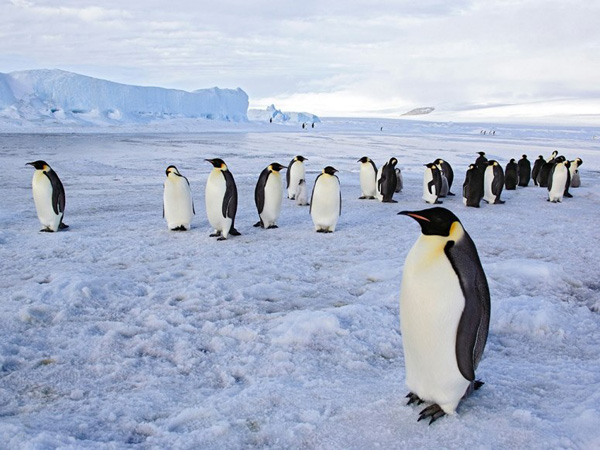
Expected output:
(278, 116)
(120, 334)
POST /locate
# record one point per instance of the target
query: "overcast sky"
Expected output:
(375, 57)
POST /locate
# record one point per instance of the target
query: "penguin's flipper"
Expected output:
(433, 412)
(230, 198)
(287, 174)
(475, 319)
(374, 167)
(550, 179)
(431, 187)
(497, 182)
(58, 192)
(259, 190)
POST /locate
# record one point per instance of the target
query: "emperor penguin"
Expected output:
(511, 175)
(432, 183)
(481, 162)
(295, 172)
(544, 173)
(493, 181)
(386, 185)
(574, 169)
(48, 196)
(447, 172)
(301, 193)
(368, 178)
(326, 201)
(473, 187)
(537, 167)
(399, 181)
(178, 206)
(444, 313)
(221, 200)
(558, 180)
(268, 195)
(524, 171)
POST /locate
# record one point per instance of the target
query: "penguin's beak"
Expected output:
(29, 164)
(417, 217)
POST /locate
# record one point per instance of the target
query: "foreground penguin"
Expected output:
(48, 196)
(268, 196)
(432, 183)
(537, 167)
(544, 173)
(444, 313)
(511, 175)
(524, 171)
(493, 182)
(473, 187)
(326, 201)
(221, 200)
(178, 207)
(559, 180)
(295, 172)
(368, 178)
(386, 185)
(447, 173)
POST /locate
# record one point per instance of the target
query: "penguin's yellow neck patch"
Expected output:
(456, 231)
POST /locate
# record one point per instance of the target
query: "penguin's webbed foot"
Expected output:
(413, 398)
(46, 230)
(363, 197)
(437, 202)
(451, 194)
(221, 238)
(321, 230)
(499, 202)
(389, 200)
(215, 234)
(432, 412)
(477, 384)
(258, 224)
(234, 232)
(64, 226)
(568, 195)
(270, 227)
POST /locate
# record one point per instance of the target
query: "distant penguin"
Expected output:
(524, 171)
(481, 162)
(537, 167)
(493, 181)
(326, 201)
(295, 172)
(221, 200)
(432, 183)
(399, 181)
(473, 187)
(544, 173)
(448, 173)
(48, 196)
(268, 195)
(388, 181)
(368, 178)
(574, 169)
(178, 206)
(558, 180)
(301, 193)
(444, 313)
(511, 175)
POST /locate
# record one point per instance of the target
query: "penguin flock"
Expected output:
(444, 295)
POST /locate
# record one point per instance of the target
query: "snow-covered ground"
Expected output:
(120, 334)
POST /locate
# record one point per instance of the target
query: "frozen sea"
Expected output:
(119, 334)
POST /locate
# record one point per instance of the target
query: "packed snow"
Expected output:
(118, 333)
(33, 98)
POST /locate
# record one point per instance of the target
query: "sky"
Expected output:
(348, 58)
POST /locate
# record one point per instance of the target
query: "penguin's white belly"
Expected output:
(431, 305)
(378, 194)
(445, 188)
(368, 180)
(325, 208)
(273, 197)
(297, 173)
(178, 203)
(427, 196)
(559, 182)
(488, 179)
(42, 197)
(215, 192)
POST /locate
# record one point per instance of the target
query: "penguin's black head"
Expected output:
(364, 159)
(439, 161)
(541, 157)
(512, 160)
(301, 158)
(329, 170)
(481, 153)
(276, 167)
(434, 221)
(492, 162)
(39, 164)
(560, 159)
(171, 169)
(524, 156)
(393, 162)
(579, 161)
(431, 166)
(218, 163)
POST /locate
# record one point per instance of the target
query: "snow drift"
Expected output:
(56, 96)
(281, 117)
